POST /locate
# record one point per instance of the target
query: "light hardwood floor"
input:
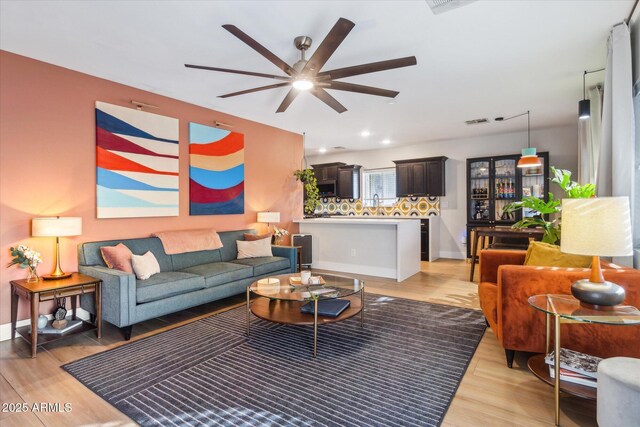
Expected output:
(490, 394)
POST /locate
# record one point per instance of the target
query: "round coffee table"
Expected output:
(281, 301)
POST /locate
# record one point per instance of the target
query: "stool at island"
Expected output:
(619, 392)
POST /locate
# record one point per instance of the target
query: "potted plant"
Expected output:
(572, 190)
(311, 193)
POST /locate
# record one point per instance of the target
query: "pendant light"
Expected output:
(584, 106)
(529, 157)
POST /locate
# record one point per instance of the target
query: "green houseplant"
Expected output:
(311, 193)
(572, 190)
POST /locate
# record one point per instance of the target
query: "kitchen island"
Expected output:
(384, 247)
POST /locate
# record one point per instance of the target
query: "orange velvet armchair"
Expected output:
(506, 284)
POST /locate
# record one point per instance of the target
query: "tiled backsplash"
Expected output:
(405, 206)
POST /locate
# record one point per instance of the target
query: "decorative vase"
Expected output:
(277, 240)
(32, 274)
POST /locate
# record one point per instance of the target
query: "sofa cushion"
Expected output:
(220, 273)
(189, 259)
(145, 265)
(264, 265)
(167, 284)
(543, 254)
(89, 253)
(117, 257)
(250, 237)
(254, 248)
(228, 238)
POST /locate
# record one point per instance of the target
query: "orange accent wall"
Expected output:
(48, 165)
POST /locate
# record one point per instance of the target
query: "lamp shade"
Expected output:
(269, 217)
(56, 226)
(596, 227)
(584, 109)
(529, 159)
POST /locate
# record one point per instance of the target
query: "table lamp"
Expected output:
(269, 217)
(56, 227)
(597, 227)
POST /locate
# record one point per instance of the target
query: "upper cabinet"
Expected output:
(349, 182)
(420, 177)
(338, 179)
(327, 171)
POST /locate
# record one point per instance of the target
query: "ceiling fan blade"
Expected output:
(259, 48)
(369, 90)
(257, 89)
(329, 45)
(288, 100)
(324, 96)
(372, 67)
(227, 70)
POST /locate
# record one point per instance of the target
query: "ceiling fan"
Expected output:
(306, 75)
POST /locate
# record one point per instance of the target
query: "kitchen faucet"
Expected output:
(376, 202)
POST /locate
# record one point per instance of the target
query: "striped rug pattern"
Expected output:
(401, 369)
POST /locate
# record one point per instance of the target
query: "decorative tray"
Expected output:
(296, 281)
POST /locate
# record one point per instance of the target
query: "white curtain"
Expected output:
(617, 151)
(589, 133)
(615, 175)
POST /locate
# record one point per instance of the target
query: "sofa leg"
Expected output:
(92, 318)
(510, 355)
(487, 322)
(127, 332)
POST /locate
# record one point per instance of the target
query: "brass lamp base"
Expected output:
(56, 277)
(596, 294)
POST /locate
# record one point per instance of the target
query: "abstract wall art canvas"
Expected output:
(216, 171)
(137, 163)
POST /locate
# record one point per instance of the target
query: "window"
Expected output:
(381, 182)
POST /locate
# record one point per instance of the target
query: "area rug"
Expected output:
(401, 369)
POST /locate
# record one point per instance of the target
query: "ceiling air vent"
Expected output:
(441, 6)
(476, 121)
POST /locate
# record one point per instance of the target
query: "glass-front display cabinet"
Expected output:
(494, 182)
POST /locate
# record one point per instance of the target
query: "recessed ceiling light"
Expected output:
(386, 141)
(391, 102)
(322, 150)
(365, 133)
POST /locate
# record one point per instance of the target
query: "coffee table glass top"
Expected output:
(568, 307)
(334, 287)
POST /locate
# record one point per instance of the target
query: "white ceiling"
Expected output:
(490, 58)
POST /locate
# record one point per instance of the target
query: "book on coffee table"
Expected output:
(327, 307)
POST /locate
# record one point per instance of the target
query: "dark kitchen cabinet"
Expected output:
(349, 182)
(327, 171)
(420, 177)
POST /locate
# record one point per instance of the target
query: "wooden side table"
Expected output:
(47, 290)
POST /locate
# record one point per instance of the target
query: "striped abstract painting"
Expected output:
(216, 171)
(137, 163)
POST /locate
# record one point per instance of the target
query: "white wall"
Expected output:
(561, 143)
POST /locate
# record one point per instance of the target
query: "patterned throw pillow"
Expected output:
(117, 257)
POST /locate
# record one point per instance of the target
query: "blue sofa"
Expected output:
(185, 280)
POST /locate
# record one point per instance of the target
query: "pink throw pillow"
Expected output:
(250, 237)
(117, 257)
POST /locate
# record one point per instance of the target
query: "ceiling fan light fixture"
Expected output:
(302, 83)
